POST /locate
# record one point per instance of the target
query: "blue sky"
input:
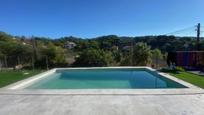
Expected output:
(91, 18)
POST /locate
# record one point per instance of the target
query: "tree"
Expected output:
(5, 37)
(141, 54)
(156, 54)
(106, 42)
(50, 55)
(1, 55)
(138, 55)
(93, 58)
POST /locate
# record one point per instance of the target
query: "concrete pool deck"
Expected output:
(111, 102)
(14, 100)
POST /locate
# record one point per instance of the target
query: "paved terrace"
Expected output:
(102, 102)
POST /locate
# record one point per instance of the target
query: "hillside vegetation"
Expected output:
(108, 50)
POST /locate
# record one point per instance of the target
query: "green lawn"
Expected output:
(8, 77)
(189, 77)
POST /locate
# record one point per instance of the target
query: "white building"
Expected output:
(69, 45)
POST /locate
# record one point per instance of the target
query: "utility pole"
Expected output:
(197, 42)
(198, 36)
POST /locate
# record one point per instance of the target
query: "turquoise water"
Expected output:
(104, 79)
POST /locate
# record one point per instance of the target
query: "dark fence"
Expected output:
(187, 59)
(16, 62)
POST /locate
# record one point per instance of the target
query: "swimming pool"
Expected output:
(108, 78)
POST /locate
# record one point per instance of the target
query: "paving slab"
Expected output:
(23, 102)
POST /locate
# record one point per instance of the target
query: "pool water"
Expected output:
(104, 79)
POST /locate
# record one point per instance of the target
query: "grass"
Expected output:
(197, 80)
(8, 77)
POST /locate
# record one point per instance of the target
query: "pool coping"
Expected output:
(18, 87)
(93, 92)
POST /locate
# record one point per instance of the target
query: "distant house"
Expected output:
(126, 47)
(115, 47)
(26, 42)
(69, 45)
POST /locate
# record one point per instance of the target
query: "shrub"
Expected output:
(179, 69)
